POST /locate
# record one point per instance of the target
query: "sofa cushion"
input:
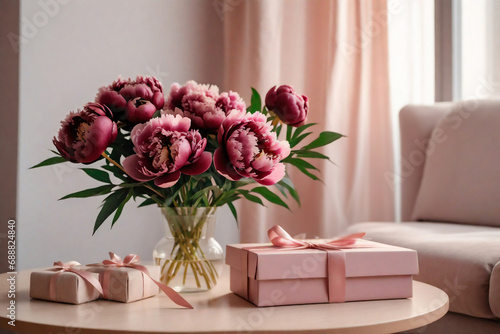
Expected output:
(458, 259)
(461, 182)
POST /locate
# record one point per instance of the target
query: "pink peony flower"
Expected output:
(165, 147)
(230, 101)
(290, 107)
(85, 134)
(202, 104)
(136, 101)
(249, 148)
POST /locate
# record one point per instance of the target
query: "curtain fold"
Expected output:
(336, 53)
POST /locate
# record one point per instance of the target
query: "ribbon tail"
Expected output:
(87, 276)
(173, 295)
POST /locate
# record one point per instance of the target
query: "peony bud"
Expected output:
(290, 107)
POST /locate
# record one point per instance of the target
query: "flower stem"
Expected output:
(187, 255)
(114, 162)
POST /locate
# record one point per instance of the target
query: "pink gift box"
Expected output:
(69, 287)
(267, 275)
(126, 284)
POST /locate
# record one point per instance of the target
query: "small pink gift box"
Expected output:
(267, 275)
(65, 283)
(127, 281)
(125, 284)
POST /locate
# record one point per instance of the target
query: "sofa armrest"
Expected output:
(416, 123)
(494, 296)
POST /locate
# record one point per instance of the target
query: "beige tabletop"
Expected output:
(220, 311)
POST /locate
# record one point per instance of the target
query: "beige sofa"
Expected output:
(450, 196)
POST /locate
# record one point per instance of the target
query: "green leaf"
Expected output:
(227, 200)
(101, 190)
(289, 130)
(233, 211)
(278, 130)
(120, 207)
(130, 185)
(117, 172)
(50, 161)
(156, 200)
(227, 185)
(205, 200)
(217, 198)
(301, 129)
(215, 189)
(295, 141)
(110, 204)
(156, 114)
(169, 200)
(243, 182)
(264, 110)
(147, 202)
(308, 173)
(55, 152)
(282, 189)
(309, 154)
(270, 196)
(287, 183)
(299, 163)
(251, 197)
(97, 174)
(255, 102)
(323, 139)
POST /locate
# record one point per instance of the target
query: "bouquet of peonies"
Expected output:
(196, 150)
(161, 149)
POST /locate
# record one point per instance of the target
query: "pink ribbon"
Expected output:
(336, 260)
(280, 238)
(131, 261)
(60, 267)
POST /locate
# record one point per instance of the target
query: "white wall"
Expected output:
(70, 49)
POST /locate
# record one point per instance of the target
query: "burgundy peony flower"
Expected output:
(290, 107)
(203, 104)
(136, 100)
(85, 134)
(249, 148)
(165, 147)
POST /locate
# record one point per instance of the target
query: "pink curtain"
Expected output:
(336, 53)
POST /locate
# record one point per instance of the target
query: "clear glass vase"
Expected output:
(190, 258)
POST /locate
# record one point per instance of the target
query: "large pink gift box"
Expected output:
(267, 275)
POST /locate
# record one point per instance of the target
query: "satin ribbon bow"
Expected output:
(336, 261)
(280, 238)
(131, 261)
(61, 267)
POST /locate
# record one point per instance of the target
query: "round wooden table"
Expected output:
(220, 311)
